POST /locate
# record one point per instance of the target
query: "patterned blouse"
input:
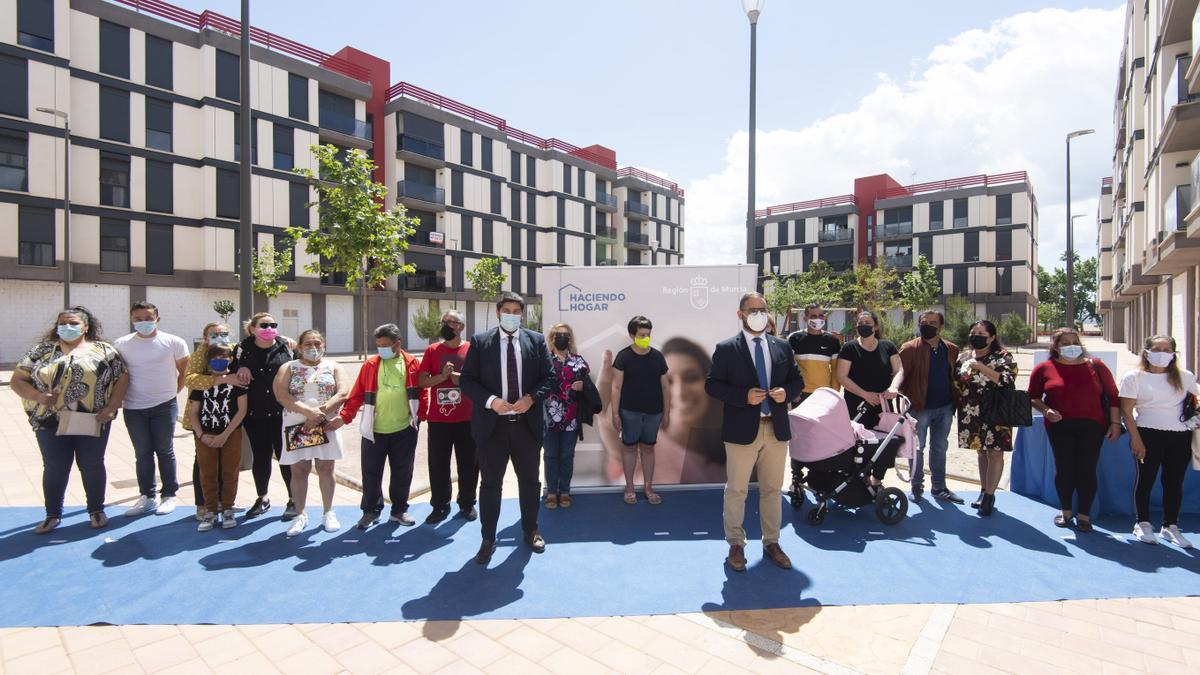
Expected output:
(969, 387)
(561, 406)
(312, 383)
(84, 380)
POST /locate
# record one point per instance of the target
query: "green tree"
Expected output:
(355, 236)
(224, 309)
(873, 287)
(780, 294)
(819, 284)
(428, 321)
(268, 266)
(1052, 294)
(487, 280)
(1013, 330)
(959, 317)
(921, 287)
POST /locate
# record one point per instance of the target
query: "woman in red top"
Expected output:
(1068, 389)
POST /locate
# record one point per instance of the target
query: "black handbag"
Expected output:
(1105, 403)
(1006, 408)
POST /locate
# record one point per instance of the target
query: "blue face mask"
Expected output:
(386, 353)
(145, 328)
(69, 332)
(218, 365)
(1071, 352)
(510, 322)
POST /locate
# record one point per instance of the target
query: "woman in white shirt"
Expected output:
(1158, 436)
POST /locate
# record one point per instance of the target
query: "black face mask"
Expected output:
(864, 330)
(561, 342)
(928, 331)
(447, 332)
(978, 341)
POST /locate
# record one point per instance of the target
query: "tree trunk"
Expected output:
(363, 301)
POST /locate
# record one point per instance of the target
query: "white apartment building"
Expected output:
(153, 100)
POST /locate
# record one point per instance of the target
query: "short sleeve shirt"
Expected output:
(84, 380)
(870, 370)
(641, 390)
(218, 406)
(446, 400)
(153, 374)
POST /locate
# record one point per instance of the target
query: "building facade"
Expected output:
(153, 102)
(979, 231)
(1154, 232)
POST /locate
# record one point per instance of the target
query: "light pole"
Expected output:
(66, 118)
(1070, 312)
(245, 225)
(753, 8)
(453, 281)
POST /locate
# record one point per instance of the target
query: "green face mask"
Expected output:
(642, 342)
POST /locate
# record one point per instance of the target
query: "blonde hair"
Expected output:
(209, 326)
(571, 349)
(254, 321)
(1173, 375)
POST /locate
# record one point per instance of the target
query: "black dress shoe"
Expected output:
(917, 495)
(985, 505)
(535, 541)
(439, 514)
(469, 513)
(261, 506)
(289, 511)
(484, 556)
(368, 519)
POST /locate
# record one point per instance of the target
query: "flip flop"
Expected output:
(653, 498)
(630, 498)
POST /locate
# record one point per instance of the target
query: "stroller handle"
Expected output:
(899, 405)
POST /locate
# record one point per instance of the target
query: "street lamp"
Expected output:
(1070, 314)
(66, 118)
(753, 8)
(453, 281)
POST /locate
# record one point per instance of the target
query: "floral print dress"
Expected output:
(561, 406)
(969, 387)
(83, 380)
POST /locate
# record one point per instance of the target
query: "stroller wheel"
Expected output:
(891, 505)
(816, 515)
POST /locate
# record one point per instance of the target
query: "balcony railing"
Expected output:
(605, 232)
(1176, 92)
(636, 208)
(839, 234)
(884, 230)
(605, 199)
(344, 124)
(637, 238)
(1176, 208)
(606, 262)
(421, 146)
(898, 261)
(840, 265)
(424, 282)
(422, 191)
(428, 238)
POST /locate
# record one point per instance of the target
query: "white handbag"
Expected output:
(72, 423)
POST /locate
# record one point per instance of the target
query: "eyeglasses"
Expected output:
(266, 325)
(214, 336)
(452, 323)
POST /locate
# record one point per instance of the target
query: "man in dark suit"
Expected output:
(754, 375)
(507, 375)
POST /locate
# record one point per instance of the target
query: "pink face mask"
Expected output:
(267, 334)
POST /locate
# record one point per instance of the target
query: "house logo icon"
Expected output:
(564, 296)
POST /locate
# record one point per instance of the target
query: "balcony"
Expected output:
(1181, 128)
(1133, 282)
(606, 202)
(346, 125)
(898, 261)
(893, 230)
(1173, 251)
(637, 240)
(637, 210)
(838, 234)
(424, 283)
(606, 232)
(1175, 20)
(421, 151)
(1193, 74)
(421, 194)
(430, 238)
(839, 264)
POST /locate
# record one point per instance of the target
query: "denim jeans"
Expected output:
(560, 460)
(934, 422)
(58, 452)
(152, 431)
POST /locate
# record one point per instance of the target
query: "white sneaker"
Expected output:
(228, 522)
(330, 522)
(142, 505)
(168, 505)
(207, 523)
(298, 524)
(201, 512)
(1173, 535)
(1145, 533)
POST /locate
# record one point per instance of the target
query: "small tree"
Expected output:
(959, 317)
(921, 287)
(268, 266)
(873, 287)
(487, 280)
(1013, 330)
(428, 321)
(819, 284)
(533, 318)
(780, 294)
(224, 309)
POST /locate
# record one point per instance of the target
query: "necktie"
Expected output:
(760, 365)
(513, 385)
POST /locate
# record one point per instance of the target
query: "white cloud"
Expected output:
(987, 101)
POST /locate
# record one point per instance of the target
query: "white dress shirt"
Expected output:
(504, 338)
(766, 350)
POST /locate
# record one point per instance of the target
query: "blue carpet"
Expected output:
(604, 558)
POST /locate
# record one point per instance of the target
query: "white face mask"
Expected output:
(816, 324)
(510, 322)
(312, 354)
(1071, 352)
(757, 321)
(1160, 359)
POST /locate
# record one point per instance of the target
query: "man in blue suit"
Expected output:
(507, 375)
(754, 375)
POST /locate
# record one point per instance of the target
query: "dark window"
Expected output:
(514, 277)
(485, 151)
(562, 247)
(466, 149)
(935, 214)
(456, 188)
(114, 114)
(14, 160)
(587, 218)
(531, 208)
(160, 248)
(653, 205)
(531, 286)
(284, 244)
(159, 124)
(114, 50)
(1004, 209)
(160, 186)
(35, 24)
(515, 243)
(960, 213)
(457, 277)
(160, 62)
(283, 144)
(35, 236)
(925, 248)
(1004, 245)
(114, 245)
(487, 236)
(228, 76)
(515, 205)
(1004, 280)
(297, 96)
(467, 228)
(420, 174)
(531, 171)
(14, 82)
(587, 252)
(425, 220)
(516, 167)
(114, 179)
(971, 246)
(582, 183)
(298, 215)
(960, 281)
(334, 278)
(237, 140)
(496, 207)
(567, 178)
(806, 256)
(781, 233)
(758, 236)
(531, 244)
(562, 212)
(797, 231)
(229, 197)
(416, 126)
(601, 219)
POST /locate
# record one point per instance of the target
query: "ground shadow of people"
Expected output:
(169, 539)
(1115, 545)
(20, 541)
(745, 596)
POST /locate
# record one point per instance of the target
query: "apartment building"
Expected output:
(1154, 230)
(152, 92)
(979, 231)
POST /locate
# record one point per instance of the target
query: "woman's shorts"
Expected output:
(639, 427)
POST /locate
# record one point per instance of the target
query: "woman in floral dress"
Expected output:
(984, 365)
(562, 416)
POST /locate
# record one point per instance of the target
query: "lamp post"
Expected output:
(245, 226)
(66, 118)
(753, 8)
(1070, 311)
(453, 281)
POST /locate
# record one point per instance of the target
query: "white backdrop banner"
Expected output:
(692, 308)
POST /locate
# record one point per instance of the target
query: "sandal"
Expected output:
(99, 519)
(47, 525)
(654, 498)
(564, 501)
(1083, 525)
(630, 498)
(1060, 521)
(552, 501)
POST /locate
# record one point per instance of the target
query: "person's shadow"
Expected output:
(744, 591)
(20, 541)
(1131, 553)
(171, 539)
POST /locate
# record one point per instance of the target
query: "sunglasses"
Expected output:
(566, 335)
(266, 325)
(214, 336)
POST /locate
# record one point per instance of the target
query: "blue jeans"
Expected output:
(58, 452)
(934, 422)
(560, 460)
(152, 431)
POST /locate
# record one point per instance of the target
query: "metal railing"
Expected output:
(884, 230)
(839, 234)
(898, 261)
(825, 202)
(636, 207)
(423, 282)
(955, 183)
(345, 124)
(421, 146)
(633, 172)
(1175, 209)
(637, 238)
(606, 232)
(606, 199)
(426, 193)
(432, 238)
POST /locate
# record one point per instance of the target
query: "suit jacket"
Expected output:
(733, 375)
(480, 380)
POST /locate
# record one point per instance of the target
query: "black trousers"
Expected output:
(1076, 447)
(1171, 451)
(397, 450)
(266, 442)
(510, 440)
(446, 438)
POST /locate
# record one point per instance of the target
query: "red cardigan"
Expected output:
(1073, 390)
(362, 394)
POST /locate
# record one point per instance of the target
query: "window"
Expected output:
(653, 205)
(160, 248)
(228, 194)
(515, 204)
(531, 208)
(35, 235)
(14, 160)
(582, 183)
(159, 62)
(781, 233)
(467, 238)
(515, 277)
(283, 244)
(960, 281)
(935, 214)
(562, 247)
(228, 76)
(806, 257)
(587, 252)
(531, 244)
(487, 236)
(562, 212)
(971, 246)
(237, 140)
(516, 168)
(960, 213)
(334, 278)
(35, 24)
(297, 96)
(159, 124)
(114, 114)
(531, 171)
(160, 186)
(587, 218)
(114, 179)
(1004, 245)
(14, 82)
(298, 214)
(495, 187)
(114, 50)
(515, 243)
(567, 178)
(531, 284)
(456, 188)
(1004, 209)
(668, 208)
(466, 150)
(283, 141)
(1004, 280)
(114, 245)
(797, 231)
(758, 237)
(925, 248)
(485, 150)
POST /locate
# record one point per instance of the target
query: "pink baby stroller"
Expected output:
(835, 456)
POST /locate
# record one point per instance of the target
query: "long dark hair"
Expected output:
(93, 332)
(991, 331)
(1174, 377)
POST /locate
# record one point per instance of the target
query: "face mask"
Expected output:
(145, 328)
(1071, 352)
(447, 332)
(311, 354)
(928, 331)
(978, 341)
(220, 340)
(69, 332)
(864, 330)
(1160, 359)
(267, 334)
(642, 342)
(510, 322)
(218, 365)
(386, 353)
(816, 324)
(561, 342)
(757, 321)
